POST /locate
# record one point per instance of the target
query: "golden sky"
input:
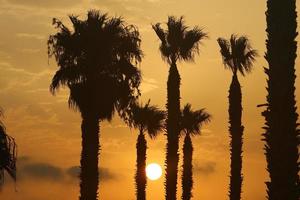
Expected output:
(48, 133)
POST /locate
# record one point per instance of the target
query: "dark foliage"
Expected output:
(8, 154)
(238, 56)
(178, 42)
(97, 61)
(191, 123)
(145, 118)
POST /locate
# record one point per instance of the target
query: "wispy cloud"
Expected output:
(52, 3)
(205, 168)
(29, 169)
(30, 35)
(148, 84)
(104, 173)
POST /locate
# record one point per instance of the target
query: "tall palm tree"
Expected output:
(178, 43)
(191, 123)
(97, 61)
(238, 56)
(282, 134)
(145, 118)
(8, 154)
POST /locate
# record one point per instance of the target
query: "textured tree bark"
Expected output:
(140, 177)
(187, 167)
(281, 128)
(236, 135)
(173, 129)
(89, 175)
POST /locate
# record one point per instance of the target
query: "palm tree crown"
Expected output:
(178, 42)
(147, 118)
(237, 54)
(191, 121)
(8, 154)
(95, 61)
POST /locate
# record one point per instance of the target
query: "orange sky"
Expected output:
(48, 133)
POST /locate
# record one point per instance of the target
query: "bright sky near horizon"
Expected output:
(48, 133)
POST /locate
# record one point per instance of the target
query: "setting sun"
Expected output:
(153, 171)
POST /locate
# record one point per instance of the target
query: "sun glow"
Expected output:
(153, 171)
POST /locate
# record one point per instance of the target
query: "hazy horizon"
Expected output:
(48, 133)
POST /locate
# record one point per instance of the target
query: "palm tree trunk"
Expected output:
(140, 177)
(89, 174)
(282, 133)
(173, 109)
(236, 135)
(187, 167)
(4, 156)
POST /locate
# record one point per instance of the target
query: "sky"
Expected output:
(48, 132)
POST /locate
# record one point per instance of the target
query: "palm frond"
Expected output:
(190, 43)
(159, 32)
(147, 118)
(178, 42)
(192, 121)
(225, 51)
(237, 54)
(8, 155)
(100, 55)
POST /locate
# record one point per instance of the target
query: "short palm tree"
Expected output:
(8, 154)
(145, 118)
(238, 56)
(191, 123)
(97, 62)
(178, 43)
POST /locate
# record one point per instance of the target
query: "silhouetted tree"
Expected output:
(282, 134)
(97, 61)
(237, 55)
(178, 43)
(191, 122)
(145, 118)
(8, 154)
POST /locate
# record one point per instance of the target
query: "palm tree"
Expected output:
(8, 154)
(178, 43)
(97, 61)
(191, 122)
(281, 128)
(238, 56)
(144, 118)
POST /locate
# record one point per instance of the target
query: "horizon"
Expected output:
(48, 133)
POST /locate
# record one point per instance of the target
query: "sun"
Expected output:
(153, 171)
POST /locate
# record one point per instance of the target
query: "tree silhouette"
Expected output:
(237, 55)
(97, 61)
(8, 154)
(178, 43)
(145, 118)
(282, 134)
(191, 122)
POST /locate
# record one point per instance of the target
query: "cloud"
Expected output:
(148, 84)
(38, 111)
(104, 173)
(23, 159)
(206, 168)
(45, 4)
(41, 171)
(28, 169)
(30, 36)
